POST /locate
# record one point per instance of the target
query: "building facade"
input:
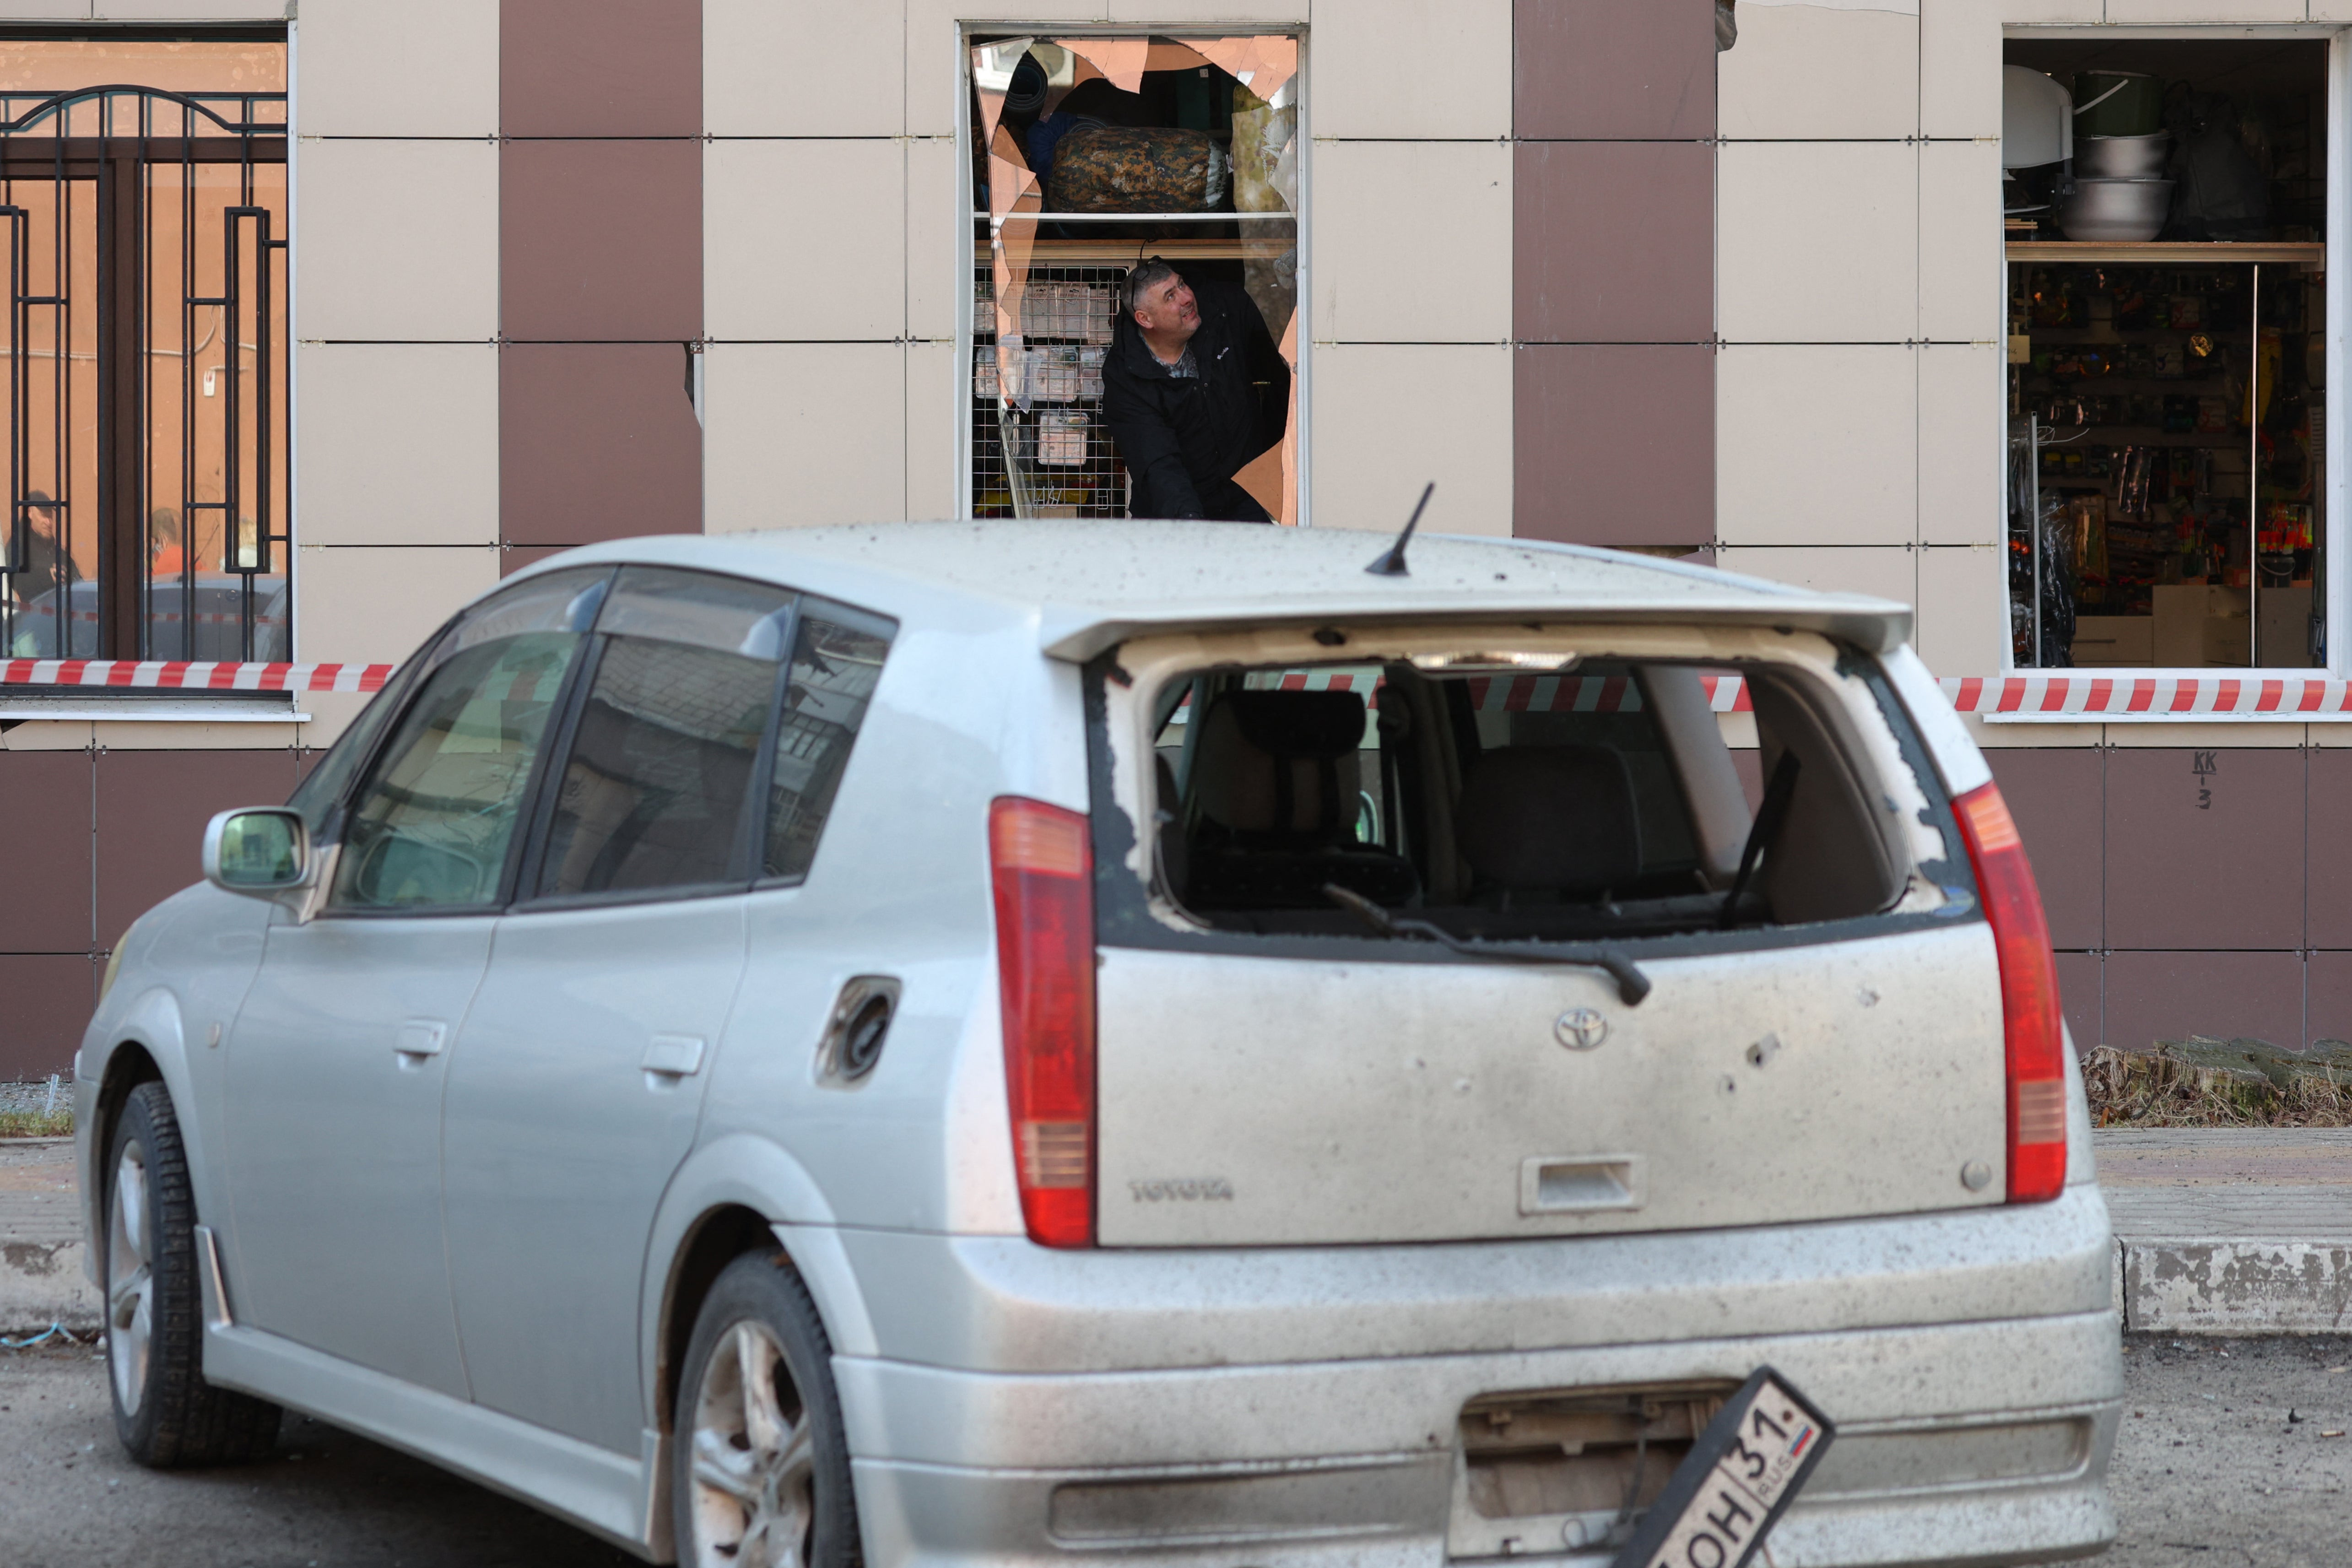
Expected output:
(547, 272)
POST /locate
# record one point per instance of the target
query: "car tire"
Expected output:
(760, 1467)
(167, 1416)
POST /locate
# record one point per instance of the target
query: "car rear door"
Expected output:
(578, 1083)
(1272, 1075)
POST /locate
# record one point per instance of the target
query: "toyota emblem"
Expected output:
(1580, 1028)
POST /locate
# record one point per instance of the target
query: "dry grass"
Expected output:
(2136, 1088)
(34, 1124)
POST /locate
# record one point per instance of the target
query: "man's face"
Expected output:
(1168, 309)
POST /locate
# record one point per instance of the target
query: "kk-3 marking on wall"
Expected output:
(2201, 764)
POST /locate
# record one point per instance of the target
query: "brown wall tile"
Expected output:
(2079, 998)
(50, 999)
(596, 441)
(45, 871)
(2153, 996)
(2329, 815)
(2228, 874)
(1614, 69)
(2055, 797)
(600, 68)
(2327, 996)
(1613, 242)
(600, 240)
(1614, 443)
(152, 811)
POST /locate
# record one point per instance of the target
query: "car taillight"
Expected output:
(2029, 997)
(1043, 868)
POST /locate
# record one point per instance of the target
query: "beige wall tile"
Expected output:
(1960, 269)
(195, 735)
(370, 605)
(1445, 277)
(932, 408)
(1959, 71)
(2032, 12)
(50, 735)
(795, 433)
(1963, 609)
(801, 70)
(1963, 423)
(396, 240)
(1389, 417)
(1265, 13)
(1812, 70)
(188, 10)
(776, 260)
(1817, 241)
(399, 444)
(331, 713)
(2126, 12)
(934, 90)
(935, 277)
(45, 11)
(1888, 572)
(1815, 444)
(421, 67)
(1411, 68)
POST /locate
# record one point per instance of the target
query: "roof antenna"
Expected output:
(1392, 561)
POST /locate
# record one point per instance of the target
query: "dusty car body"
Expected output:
(1158, 1202)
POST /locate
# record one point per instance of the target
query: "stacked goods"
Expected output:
(1138, 169)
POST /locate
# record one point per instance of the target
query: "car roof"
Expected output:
(1093, 584)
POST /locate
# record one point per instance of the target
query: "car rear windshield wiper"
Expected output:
(1632, 984)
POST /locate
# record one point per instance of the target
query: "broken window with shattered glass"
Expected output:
(1172, 160)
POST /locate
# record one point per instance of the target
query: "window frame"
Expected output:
(2333, 591)
(1303, 207)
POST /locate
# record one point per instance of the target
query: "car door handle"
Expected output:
(419, 1040)
(674, 1056)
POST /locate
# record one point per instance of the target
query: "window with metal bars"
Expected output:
(145, 390)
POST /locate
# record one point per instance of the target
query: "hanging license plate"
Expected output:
(1736, 1481)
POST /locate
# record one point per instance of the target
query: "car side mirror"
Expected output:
(261, 852)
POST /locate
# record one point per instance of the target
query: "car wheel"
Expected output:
(760, 1474)
(165, 1411)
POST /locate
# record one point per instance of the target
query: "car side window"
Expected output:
(837, 655)
(659, 771)
(432, 828)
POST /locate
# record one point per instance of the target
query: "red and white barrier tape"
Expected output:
(2063, 692)
(199, 675)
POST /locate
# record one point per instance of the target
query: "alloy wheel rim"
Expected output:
(752, 1468)
(130, 1279)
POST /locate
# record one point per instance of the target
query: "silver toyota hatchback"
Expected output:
(1137, 1043)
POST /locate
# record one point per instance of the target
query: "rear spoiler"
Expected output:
(1077, 633)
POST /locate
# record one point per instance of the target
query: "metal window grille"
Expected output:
(1062, 457)
(145, 395)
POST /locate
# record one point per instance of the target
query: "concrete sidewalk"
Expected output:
(2231, 1230)
(2217, 1231)
(41, 1245)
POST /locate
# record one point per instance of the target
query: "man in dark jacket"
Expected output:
(1193, 389)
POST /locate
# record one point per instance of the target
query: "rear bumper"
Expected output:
(1325, 1433)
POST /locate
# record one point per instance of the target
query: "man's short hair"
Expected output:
(1141, 279)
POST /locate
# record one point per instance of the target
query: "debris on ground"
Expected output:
(2203, 1082)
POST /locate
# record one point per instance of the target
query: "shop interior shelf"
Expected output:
(2311, 255)
(2135, 335)
(1126, 252)
(2139, 436)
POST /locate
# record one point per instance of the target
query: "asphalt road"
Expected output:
(2210, 1472)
